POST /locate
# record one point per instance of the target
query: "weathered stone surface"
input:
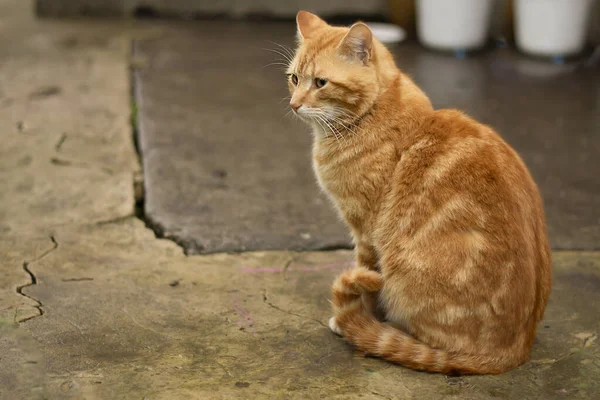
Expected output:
(67, 153)
(224, 169)
(144, 320)
(22, 372)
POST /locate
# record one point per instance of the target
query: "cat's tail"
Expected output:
(358, 326)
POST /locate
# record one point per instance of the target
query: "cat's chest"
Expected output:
(341, 185)
(352, 178)
(353, 171)
(336, 175)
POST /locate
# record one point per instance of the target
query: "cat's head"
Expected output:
(334, 73)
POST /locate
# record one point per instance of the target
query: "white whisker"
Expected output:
(282, 54)
(340, 116)
(336, 133)
(345, 113)
(322, 127)
(286, 49)
(287, 59)
(326, 127)
(283, 65)
(339, 121)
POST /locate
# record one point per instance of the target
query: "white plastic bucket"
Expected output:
(454, 24)
(551, 27)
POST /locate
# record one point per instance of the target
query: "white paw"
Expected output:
(334, 326)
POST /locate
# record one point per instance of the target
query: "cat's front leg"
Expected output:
(356, 287)
(366, 256)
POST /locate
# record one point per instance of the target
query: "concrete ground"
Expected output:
(94, 306)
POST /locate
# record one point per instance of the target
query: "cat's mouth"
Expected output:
(305, 114)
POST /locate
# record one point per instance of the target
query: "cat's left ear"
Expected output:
(358, 43)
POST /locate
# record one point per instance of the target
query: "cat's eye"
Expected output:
(294, 79)
(320, 82)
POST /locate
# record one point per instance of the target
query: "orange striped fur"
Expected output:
(449, 227)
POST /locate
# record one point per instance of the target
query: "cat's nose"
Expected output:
(295, 106)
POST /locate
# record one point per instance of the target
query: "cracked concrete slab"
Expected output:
(226, 171)
(145, 320)
(67, 154)
(22, 372)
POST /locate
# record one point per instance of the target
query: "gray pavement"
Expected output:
(226, 170)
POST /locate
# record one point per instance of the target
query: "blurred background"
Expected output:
(572, 18)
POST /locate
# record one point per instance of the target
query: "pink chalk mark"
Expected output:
(246, 320)
(307, 268)
(249, 270)
(322, 267)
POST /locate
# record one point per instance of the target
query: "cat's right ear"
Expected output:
(358, 43)
(307, 24)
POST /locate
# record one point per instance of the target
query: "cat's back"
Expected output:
(463, 147)
(460, 171)
(461, 189)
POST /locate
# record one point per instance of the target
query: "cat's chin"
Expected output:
(307, 120)
(304, 118)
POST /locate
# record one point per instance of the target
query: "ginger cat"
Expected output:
(448, 224)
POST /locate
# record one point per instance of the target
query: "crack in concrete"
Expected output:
(33, 282)
(288, 264)
(61, 162)
(60, 142)
(223, 368)
(267, 302)
(138, 184)
(331, 353)
(115, 220)
(380, 395)
(76, 279)
(189, 246)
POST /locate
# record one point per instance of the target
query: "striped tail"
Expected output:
(356, 323)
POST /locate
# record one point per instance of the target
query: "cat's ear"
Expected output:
(307, 24)
(358, 43)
